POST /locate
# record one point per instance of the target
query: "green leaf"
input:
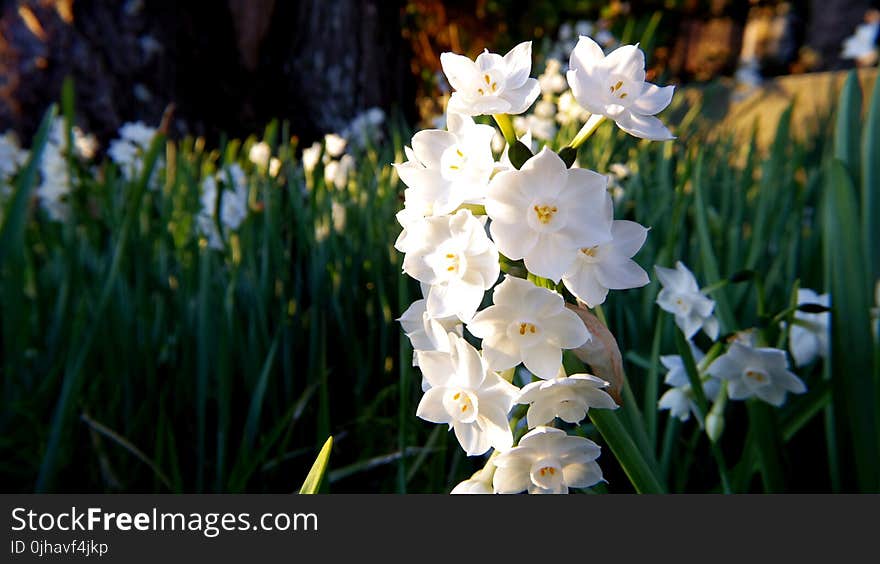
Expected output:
(519, 154)
(852, 348)
(639, 472)
(871, 184)
(847, 132)
(316, 475)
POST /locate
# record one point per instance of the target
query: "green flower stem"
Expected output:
(702, 406)
(475, 209)
(506, 126)
(588, 129)
(625, 450)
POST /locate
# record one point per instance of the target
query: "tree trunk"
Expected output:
(228, 67)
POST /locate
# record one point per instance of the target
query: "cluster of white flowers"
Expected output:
(260, 154)
(224, 204)
(130, 150)
(744, 369)
(463, 211)
(12, 158)
(56, 181)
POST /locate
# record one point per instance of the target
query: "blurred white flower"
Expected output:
(808, 335)
(334, 144)
(862, 44)
(449, 168)
(681, 297)
(569, 398)
(12, 158)
(540, 128)
(259, 154)
(527, 324)
(569, 111)
(464, 393)
(337, 173)
(455, 257)
(233, 204)
(547, 461)
(545, 212)
(56, 183)
(615, 87)
(492, 84)
(366, 128)
(129, 150)
(608, 265)
(761, 372)
(311, 156)
(551, 80)
(274, 167)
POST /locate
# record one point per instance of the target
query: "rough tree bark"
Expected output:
(227, 66)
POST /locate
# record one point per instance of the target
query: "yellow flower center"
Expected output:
(490, 88)
(756, 375)
(615, 90)
(547, 470)
(590, 251)
(545, 213)
(527, 328)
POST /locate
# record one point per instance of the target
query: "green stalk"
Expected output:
(506, 126)
(590, 127)
(625, 450)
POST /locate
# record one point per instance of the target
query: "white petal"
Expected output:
(645, 127)
(436, 367)
(519, 64)
(522, 97)
(429, 145)
(511, 479)
(628, 237)
(566, 329)
(474, 441)
(501, 352)
(514, 241)
(653, 99)
(582, 475)
(460, 71)
(628, 61)
(621, 275)
(431, 407)
(550, 257)
(543, 360)
(540, 413)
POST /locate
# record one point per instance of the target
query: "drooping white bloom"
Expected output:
(682, 297)
(679, 399)
(464, 393)
(492, 84)
(615, 87)
(233, 205)
(480, 483)
(427, 333)
(334, 144)
(449, 168)
(259, 154)
(545, 212)
(761, 372)
(569, 398)
(455, 257)
(547, 461)
(808, 336)
(608, 265)
(527, 324)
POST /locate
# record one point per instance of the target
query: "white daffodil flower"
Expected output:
(334, 145)
(492, 84)
(527, 324)
(465, 394)
(608, 266)
(808, 336)
(481, 481)
(615, 87)
(259, 154)
(681, 297)
(129, 150)
(761, 372)
(427, 333)
(547, 461)
(455, 257)
(544, 212)
(679, 399)
(311, 156)
(449, 168)
(569, 398)
(233, 203)
(12, 157)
